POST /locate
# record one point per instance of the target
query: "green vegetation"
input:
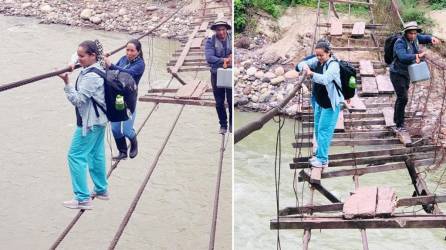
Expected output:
(412, 10)
(438, 4)
(243, 8)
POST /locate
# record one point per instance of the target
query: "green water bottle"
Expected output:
(352, 82)
(119, 102)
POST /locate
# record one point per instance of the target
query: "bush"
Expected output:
(418, 15)
(240, 16)
(438, 4)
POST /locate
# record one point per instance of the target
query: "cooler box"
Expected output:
(224, 78)
(419, 72)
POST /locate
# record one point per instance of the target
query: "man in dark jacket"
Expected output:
(406, 52)
(218, 51)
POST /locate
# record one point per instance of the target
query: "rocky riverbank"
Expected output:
(133, 16)
(264, 63)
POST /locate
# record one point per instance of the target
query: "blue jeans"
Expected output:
(125, 128)
(324, 126)
(88, 151)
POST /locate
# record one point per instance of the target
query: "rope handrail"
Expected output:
(7, 86)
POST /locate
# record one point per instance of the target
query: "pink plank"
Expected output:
(361, 204)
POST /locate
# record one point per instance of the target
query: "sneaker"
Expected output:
(401, 129)
(313, 158)
(223, 130)
(318, 164)
(102, 196)
(75, 204)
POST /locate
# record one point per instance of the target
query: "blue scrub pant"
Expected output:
(88, 151)
(324, 126)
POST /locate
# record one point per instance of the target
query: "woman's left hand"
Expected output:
(64, 77)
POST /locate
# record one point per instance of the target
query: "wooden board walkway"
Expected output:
(365, 143)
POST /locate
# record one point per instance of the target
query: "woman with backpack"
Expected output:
(132, 63)
(325, 73)
(87, 145)
(405, 52)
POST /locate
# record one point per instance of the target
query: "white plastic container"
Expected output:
(224, 78)
(419, 72)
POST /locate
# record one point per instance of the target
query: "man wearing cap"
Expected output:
(218, 51)
(406, 52)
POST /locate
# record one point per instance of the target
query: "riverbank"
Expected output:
(134, 16)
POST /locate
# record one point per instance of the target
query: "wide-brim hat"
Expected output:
(412, 26)
(220, 22)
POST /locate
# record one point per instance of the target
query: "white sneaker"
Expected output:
(318, 164)
(103, 196)
(75, 204)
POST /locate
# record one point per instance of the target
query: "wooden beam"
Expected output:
(336, 207)
(369, 153)
(180, 61)
(354, 135)
(352, 142)
(350, 25)
(418, 221)
(187, 90)
(357, 48)
(327, 194)
(171, 100)
(374, 160)
(351, 2)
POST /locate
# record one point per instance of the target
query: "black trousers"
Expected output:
(220, 94)
(401, 85)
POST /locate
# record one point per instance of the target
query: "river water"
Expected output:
(37, 123)
(255, 200)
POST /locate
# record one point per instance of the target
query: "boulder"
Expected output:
(277, 80)
(86, 14)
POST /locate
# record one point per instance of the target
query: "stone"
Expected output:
(291, 74)
(254, 98)
(264, 97)
(155, 19)
(277, 80)
(305, 90)
(151, 8)
(251, 71)
(259, 74)
(236, 72)
(26, 5)
(242, 101)
(246, 64)
(95, 19)
(86, 14)
(292, 110)
(270, 75)
(46, 8)
(270, 58)
(247, 90)
(122, 11)
(279, 71)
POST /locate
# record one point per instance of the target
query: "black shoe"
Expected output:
(121, 144)
(133, 147)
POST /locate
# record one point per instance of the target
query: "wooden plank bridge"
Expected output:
(368, 127)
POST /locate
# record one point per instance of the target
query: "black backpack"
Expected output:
(116, 83)
(346, 71)
(388, 47)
